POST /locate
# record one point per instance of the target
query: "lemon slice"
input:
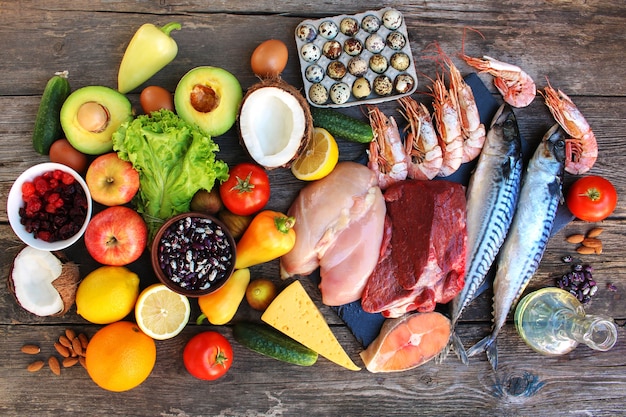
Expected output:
(161, 313)
(318, 159)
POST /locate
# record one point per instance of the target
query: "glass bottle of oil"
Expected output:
(553, 322)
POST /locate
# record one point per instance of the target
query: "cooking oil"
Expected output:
(553, 322)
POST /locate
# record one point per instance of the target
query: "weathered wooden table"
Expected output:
(579, 46)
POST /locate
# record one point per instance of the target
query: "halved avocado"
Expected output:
(91, 114)
(208, 97)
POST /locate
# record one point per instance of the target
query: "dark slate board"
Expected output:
(366, 326)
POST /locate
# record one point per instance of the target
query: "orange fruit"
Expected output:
(407, 342)
(120, 356)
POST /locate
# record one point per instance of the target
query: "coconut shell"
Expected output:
(308, 128)
(66, 284)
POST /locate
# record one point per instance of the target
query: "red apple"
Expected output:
(111, 180)
(116, 236)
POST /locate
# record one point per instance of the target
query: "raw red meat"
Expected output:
(424, 261)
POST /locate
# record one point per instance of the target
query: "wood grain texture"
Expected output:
(578, 45)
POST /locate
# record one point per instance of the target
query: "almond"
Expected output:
(65, 341)
(577, 238)
(585, 250)
(54, 365)
(83, 340)
(31, 349)
(592, 242)
(70, 334)
(595, 232)
(63, 351)
(71, 361)
(35, 366)
(77, 346)
(82, 361)
(598, 250)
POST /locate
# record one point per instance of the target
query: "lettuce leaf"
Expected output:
(174, 160)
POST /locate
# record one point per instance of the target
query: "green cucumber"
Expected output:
(48, 121)
(268, 341)
(341, 125)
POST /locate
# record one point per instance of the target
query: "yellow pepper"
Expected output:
(219, 307)
(269, 236)
(150, 49)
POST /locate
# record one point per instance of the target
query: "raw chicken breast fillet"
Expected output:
(339, 227)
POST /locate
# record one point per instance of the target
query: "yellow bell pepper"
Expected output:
(269, 236)
(219, 307)
(150, 49)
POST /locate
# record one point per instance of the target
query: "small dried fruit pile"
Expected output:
(55, 206)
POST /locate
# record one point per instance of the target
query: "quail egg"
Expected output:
(353, 46)
(349, 26)
(318, 94)
(314, 73)
(396, 40)
(328, 29)
(370, 23)
(374, 43)
(310, 52)
(339, 93)
(378, 63)
(403, 83)
(400, 61)
(392, 19)
(331, 49)
(357, 66)
(306, 32)
(361, 88)
(336, 70)
(383, 85)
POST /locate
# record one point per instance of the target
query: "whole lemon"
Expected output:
(107, 294)
(120, 356)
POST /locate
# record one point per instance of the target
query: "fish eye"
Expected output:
(560, 144)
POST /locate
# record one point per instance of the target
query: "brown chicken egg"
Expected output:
(63, 152)
(153, 98)
(269, 59)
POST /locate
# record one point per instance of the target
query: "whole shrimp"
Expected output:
(517, 88)
(474, 132)
(386, 152)
(446, 117)
(423, 153)
(581, 149)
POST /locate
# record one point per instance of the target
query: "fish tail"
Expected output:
(459, 349)
(487, 345)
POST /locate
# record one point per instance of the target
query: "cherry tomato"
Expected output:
(269, 59)
(208, 355)
(591, 198)
(64, 153)
(247, 189)
(153, 98)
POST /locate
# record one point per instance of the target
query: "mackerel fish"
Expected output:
(492, 196)
(528, 236)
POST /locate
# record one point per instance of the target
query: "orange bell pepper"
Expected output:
(269, 236)
(219, 307)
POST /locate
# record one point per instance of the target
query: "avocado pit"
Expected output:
(204, 99)
(93, 117)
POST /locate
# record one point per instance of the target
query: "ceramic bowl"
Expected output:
(193, 254)
(15, 203)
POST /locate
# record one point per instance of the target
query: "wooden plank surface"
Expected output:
(579, 46)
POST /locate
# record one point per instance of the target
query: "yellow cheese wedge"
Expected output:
(294, 313)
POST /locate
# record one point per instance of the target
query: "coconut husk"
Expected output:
(308, 128)
(66, 284)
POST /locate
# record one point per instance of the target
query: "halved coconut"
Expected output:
(43, 283)
(275, 123)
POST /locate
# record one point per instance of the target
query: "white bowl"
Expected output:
(15, 202)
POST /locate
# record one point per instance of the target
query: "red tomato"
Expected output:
(247, 189)
(208, 355)
(591, 198)
(153, 98)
